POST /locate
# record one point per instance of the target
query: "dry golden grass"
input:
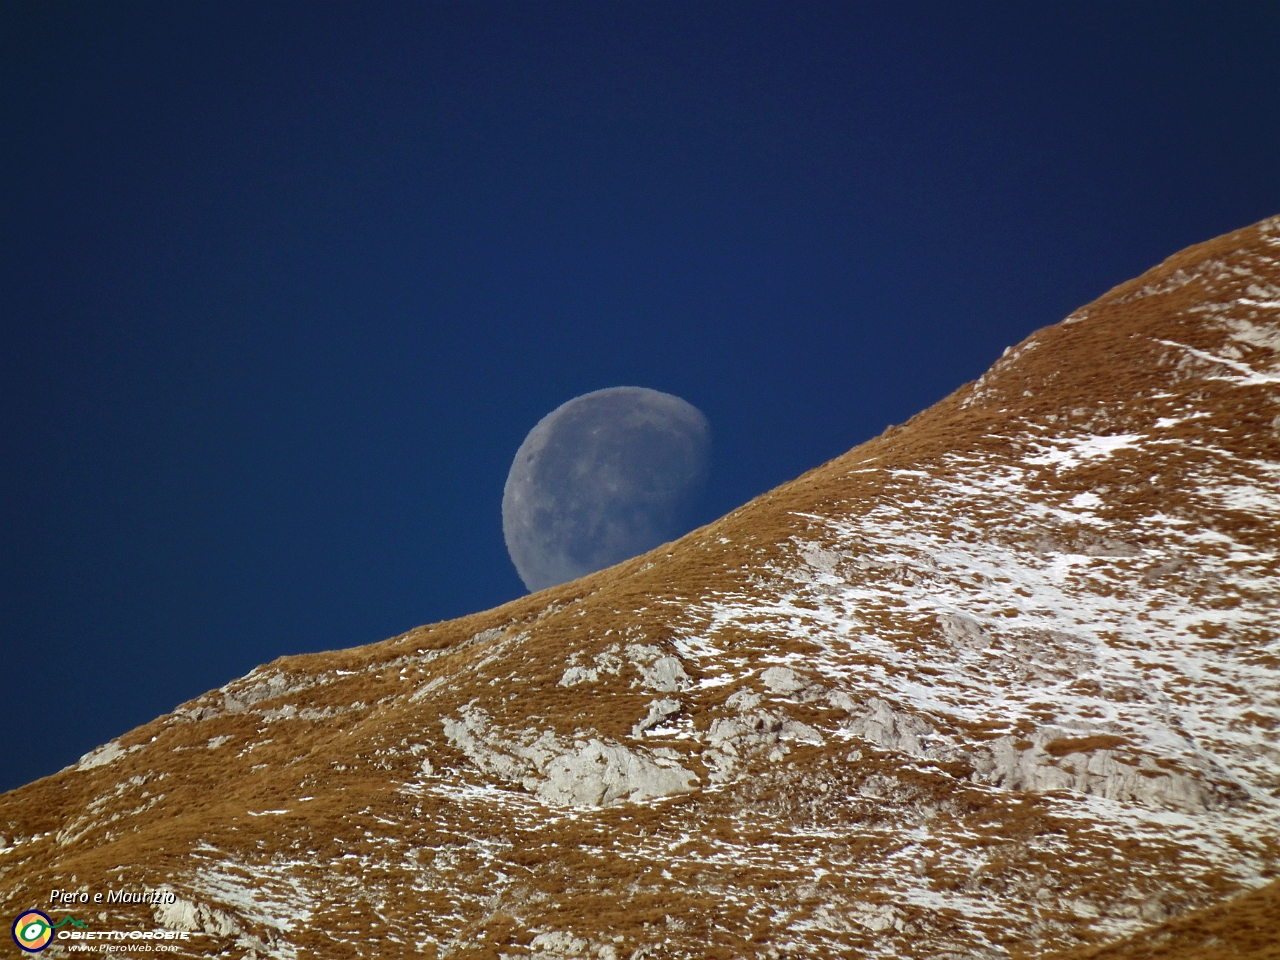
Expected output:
(1244, 928)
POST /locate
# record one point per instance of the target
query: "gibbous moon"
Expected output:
(602, 478)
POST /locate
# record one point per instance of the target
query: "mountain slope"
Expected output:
(1001, 682)
(1243, 927)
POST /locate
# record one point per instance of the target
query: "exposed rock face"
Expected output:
(1001, 682)
(601, 773)
(583, 773)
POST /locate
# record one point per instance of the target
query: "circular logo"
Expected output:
(33, 931)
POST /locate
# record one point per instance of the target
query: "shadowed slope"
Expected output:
(1245, 928)
(1001, 682)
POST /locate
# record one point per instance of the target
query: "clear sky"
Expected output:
(283, 286)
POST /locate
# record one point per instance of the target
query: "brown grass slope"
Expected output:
(904, 787)
(1244, 928)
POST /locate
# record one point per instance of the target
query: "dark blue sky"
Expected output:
(283, 286)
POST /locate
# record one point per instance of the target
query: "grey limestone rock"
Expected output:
(600, 773)
(659, 710)
(1097, 772)
(731, 740)
(583, 774)
(184, 915)
(891, 729)
(783, 680)
(791, 683)
(665, 675)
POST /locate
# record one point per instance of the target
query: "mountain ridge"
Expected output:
(1000, 682)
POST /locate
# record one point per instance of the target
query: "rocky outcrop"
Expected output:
(1087, 764)
(588, 772)
(599, 773)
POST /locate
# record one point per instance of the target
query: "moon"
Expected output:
(602, 478)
